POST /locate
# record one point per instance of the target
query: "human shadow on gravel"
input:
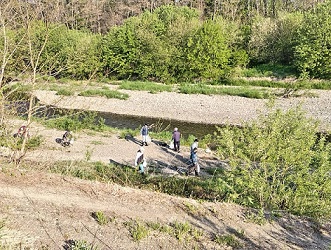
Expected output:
(133, 139)
(117, 163)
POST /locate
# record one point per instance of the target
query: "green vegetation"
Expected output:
(80, 245)
(172, 43)
(65, 92)
(256, 217)
(100, 217)
(181, 230)
(75, 121)
(209, 90)
(146, 86)
(105, 92)
(137, 229)
(276, 162)
(228, 240)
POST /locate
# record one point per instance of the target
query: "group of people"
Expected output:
(140, 161)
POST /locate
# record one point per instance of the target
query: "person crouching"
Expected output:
(140, 161)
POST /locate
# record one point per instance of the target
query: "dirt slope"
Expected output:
(47, 210)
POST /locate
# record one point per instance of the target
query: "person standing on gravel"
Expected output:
(194, 163)
(194, 145)
(176, 137)
(144, 134)
(140, 161)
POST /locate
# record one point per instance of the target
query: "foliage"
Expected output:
(67, 52)
(273, 40)
(228, 240)
(313, 52)
(209, 189)
(146, 86)
(100, 217)
(269, 70)
(80, 245)
(138, 230)
(65, 92)
(211, 50)
(278, 163)
(223, 90)
(181, 230)
(104, 92)
(147, 46)
(75, 121)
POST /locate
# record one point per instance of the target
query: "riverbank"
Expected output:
(205, 109)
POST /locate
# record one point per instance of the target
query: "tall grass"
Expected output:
(146, 86)
(298, 84)
(105, 92)
(223, 90)
(269, 70)
(76, 121)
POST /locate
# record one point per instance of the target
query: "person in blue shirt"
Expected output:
(144, 134)
(194, 163)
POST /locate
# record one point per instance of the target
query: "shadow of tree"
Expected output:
(296, 233)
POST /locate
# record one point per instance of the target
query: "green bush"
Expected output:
(76, 121)
(273, 40)
(312, 54)
(278, 163)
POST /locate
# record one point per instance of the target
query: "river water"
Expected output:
(133, 122)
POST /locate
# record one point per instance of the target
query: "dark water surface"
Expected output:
(133, 122)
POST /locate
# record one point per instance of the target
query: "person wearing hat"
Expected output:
(176, 138)
(140, 160)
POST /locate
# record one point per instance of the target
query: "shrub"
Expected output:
(75, 121)
(312, 54)
(278, 163)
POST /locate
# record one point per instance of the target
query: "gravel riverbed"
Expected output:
(207, 109)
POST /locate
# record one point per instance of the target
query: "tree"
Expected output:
(273, 40)
(313, 52)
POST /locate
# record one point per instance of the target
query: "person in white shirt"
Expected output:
(194, 144)
(140, 160)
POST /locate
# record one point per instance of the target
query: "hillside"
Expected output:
(48, 211)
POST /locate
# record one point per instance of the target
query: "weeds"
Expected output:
(228, 240)
(65, 92)
(80, 245)
(181, 230)
(257, 218)
(105, 92)
(217, 90)
(100, 217)
(137, 229)
(146, 86)
(76, 121)
(191, 208)
(88, 153)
